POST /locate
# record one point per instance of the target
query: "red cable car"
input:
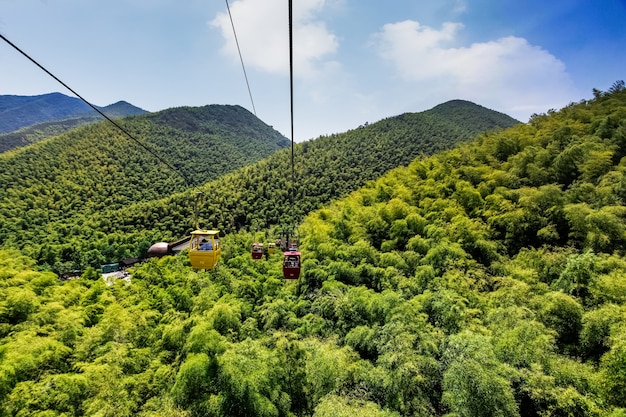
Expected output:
(257, 250)
(291, 265)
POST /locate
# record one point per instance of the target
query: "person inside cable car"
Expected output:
(292, 262)
(205, 245)
(257, 250)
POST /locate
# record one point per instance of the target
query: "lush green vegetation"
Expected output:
(33, 134)
(96, 168)
(99, 224)
(490, 279)
(487, 280)
(262, 195)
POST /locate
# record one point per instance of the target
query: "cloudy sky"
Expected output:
(355, 61)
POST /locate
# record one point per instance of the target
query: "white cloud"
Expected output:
(507, 74)
(262, 31)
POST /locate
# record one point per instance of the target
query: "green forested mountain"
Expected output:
(262, 195)
(257, 196)
(97, 168)
(34, 133)
(486, 280)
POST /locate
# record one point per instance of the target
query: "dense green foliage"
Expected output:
(96, 168)
(263, 195)
(37, 133)
(488, 280)
(255, 197)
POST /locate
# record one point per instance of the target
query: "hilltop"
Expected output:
(484, 280)
(263, 194)
(96, 168)
(130, 214)
(25, 120)
(17, 112)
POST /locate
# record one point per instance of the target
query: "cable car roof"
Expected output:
(205, 232)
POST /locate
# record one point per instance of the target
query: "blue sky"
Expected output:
(355, 61)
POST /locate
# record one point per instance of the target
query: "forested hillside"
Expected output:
(96, 168)
(257, 196)
(260, 195)
(486, 280)
(34, 133)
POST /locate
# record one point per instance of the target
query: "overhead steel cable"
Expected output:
(293, 177)
(126, 132)
(240, 57)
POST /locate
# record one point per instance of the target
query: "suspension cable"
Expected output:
(240, 57)
(163, 161)
(293, 178)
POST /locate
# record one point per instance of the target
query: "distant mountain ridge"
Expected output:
(17, 112)
(29, 119)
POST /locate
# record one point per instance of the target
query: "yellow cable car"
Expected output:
(271, 247)
(204, 249)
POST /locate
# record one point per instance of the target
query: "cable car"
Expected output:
(271, 247)
(291, 265)
(159, 250)
(204, 249)
(257, 250)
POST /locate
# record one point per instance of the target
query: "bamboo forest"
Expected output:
(455, 262)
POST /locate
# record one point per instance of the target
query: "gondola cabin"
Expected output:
(291, 265)
(204, 249)
(271, 248)
(257, 250)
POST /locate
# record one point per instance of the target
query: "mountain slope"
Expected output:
(487, 280)
(257, 196)
(494, 267)
(329, 167)
(17, 112)
(96, 167)
(29, 119)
